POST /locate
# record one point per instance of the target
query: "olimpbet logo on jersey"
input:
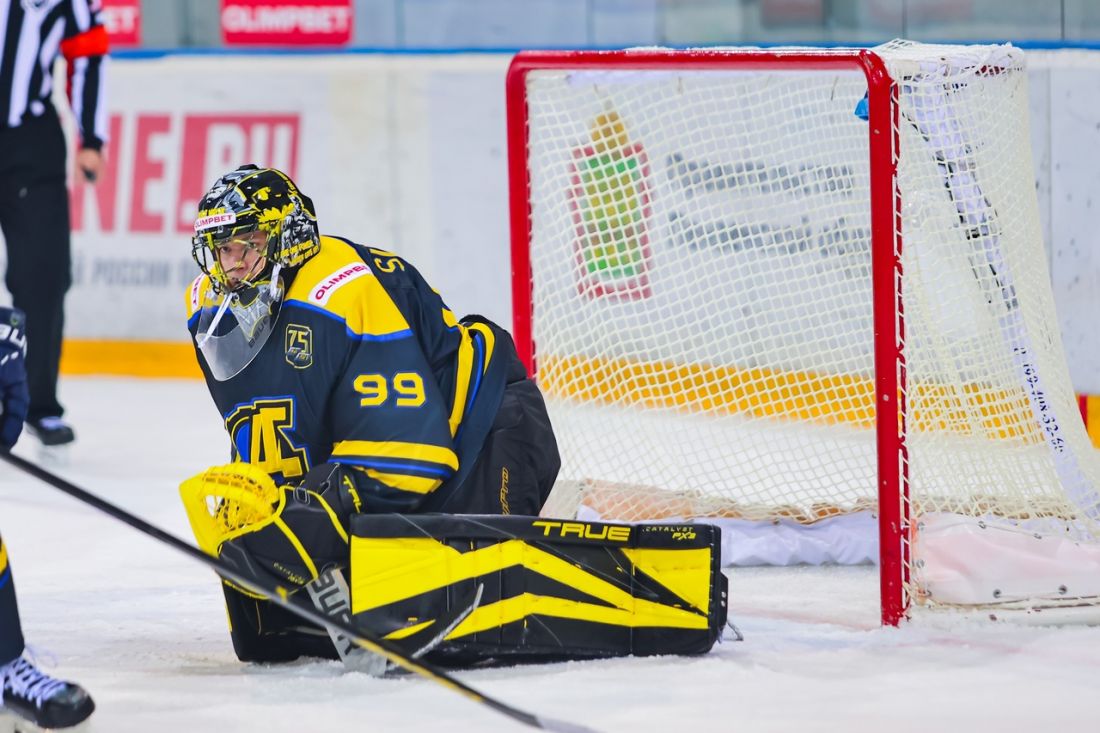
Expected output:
(322, 292)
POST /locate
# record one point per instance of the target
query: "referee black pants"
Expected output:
(34, 219)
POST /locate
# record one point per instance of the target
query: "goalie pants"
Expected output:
(34, 218)
(513, 474)
(518, 462)
(11, 632)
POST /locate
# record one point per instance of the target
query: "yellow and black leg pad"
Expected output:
(553, 589)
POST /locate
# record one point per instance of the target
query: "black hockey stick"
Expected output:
(282, 596)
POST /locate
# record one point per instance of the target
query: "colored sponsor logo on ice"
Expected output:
(609, 198)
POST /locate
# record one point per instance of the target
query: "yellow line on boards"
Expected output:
(1092, 418)
(801, 396)
(723, 390)
(129, 358)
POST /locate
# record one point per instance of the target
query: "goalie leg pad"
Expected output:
(553, 589)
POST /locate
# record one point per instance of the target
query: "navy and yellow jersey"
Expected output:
(366, 367)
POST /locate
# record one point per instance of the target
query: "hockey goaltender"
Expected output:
(375, 434)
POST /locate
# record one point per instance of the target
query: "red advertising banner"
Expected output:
(286, 22)
(123, 21)
(143, 188)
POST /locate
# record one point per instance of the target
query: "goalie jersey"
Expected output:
(366, 367)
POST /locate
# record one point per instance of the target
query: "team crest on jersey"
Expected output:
(33, 5)
(299, 346)
(263, 434)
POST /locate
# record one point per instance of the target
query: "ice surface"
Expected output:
(143, 627)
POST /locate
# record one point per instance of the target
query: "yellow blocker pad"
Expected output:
(552, 589)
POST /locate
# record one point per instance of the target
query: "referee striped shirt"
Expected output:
(32, 35)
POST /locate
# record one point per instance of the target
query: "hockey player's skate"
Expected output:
(40, 702)
(51, 431)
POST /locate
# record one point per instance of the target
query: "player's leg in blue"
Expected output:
(11, 633)
(28, 693)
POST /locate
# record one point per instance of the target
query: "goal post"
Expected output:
(745, 302)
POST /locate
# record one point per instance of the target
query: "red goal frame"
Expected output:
(886, 249)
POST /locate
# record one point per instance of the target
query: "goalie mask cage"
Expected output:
(745, 301)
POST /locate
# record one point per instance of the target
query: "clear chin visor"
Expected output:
(232, 334)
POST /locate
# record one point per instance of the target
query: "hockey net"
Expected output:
(745, 302)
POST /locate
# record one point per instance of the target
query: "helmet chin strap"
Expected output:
(217, 319)
(273, 286)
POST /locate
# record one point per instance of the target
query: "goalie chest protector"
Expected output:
(551, 588)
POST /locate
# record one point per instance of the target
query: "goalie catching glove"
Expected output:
(292, 533)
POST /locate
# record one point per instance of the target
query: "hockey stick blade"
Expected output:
(330, 595)
(281, 596)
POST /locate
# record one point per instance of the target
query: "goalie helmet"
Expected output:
(256, 220)
(253, 199)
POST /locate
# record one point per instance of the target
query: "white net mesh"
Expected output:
(702, 294)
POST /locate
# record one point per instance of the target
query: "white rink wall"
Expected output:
(408, 152)
(400, 152)
(1065, 141)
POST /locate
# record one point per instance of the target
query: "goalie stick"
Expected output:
(330, 594)
(281, 596)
